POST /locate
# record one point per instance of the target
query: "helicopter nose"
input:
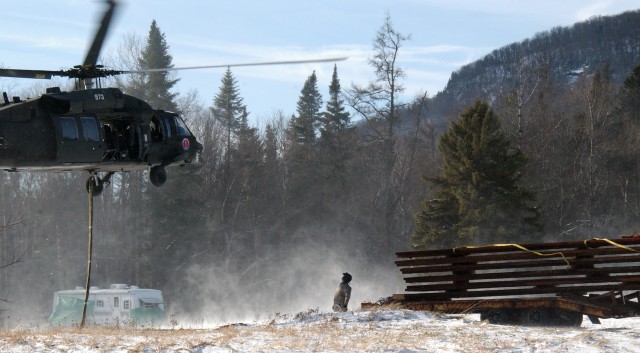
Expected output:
(199, 147)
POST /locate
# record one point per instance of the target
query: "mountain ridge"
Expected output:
(557, 55)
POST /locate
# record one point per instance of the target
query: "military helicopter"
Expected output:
(95, 129)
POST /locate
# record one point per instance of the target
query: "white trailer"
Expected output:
(117, 305)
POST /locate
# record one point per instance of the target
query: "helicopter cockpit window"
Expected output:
(156, 129)
(90, 128)
(69, 129)
(181, 127)
(167, 126)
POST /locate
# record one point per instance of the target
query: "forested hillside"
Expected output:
(269, 219)
(557, 57)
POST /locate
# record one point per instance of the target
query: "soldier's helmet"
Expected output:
(346, 277)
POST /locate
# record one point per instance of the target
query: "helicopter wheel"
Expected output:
(95, 185)
(158, 175)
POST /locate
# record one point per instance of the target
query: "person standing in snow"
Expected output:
(343, 293)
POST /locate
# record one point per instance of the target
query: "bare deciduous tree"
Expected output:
(378, 105)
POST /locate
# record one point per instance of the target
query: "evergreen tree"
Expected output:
(335, 147)
(308, 108)
(302, 174)
(478, 198)
(149, 206)
(629, 96)
(167, 241)
(228, 109)
(336, 119)
(157, 85)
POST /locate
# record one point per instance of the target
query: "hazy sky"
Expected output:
(44, 34)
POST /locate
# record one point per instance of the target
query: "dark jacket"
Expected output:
(341, 298)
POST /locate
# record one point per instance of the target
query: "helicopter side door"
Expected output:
(162, 148)
(78, 139)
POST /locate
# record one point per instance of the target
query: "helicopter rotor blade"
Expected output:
(286, 62)
(93, 71)
(38, 74)
(94, 51)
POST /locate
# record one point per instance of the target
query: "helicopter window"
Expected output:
(156, 129)
(69, 129)
(181, 127)
(90, 129)
(167, 126)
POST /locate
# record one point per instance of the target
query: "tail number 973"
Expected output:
(98, 96)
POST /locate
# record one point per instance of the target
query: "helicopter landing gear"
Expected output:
(158, 175)
(95, 184)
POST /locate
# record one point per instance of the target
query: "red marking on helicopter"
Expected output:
(185, 144)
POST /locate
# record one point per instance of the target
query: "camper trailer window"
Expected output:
(125, 305)
(116, 302)
(100, 303)
(149, 305)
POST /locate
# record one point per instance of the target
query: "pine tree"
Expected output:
(151, 205)
(336, 119)
(335, 146)
(301, 154)
(228, 109)
(629, 96)
(304, 125)
(478, 198)
(167, 241)
(157, 85)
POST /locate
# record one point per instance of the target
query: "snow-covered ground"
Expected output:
(356, 331)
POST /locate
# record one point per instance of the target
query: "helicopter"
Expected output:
(94, 129)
